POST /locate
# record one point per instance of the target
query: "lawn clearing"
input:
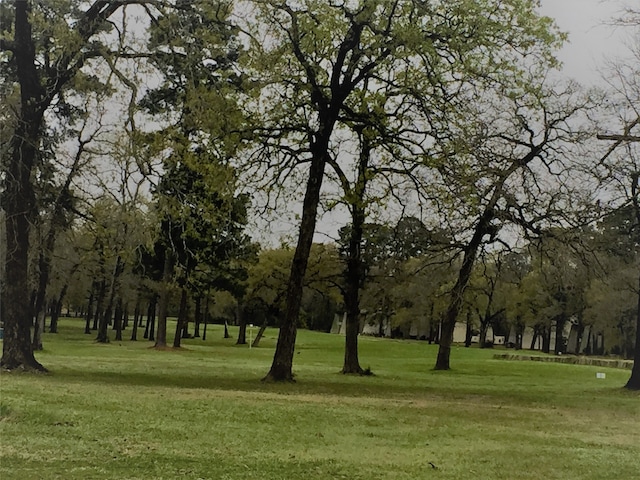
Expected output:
(126, 411)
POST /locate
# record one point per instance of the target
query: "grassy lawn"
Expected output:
(125, 411)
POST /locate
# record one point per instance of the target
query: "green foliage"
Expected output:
(268, 279)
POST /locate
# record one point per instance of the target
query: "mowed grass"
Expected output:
(125, 411)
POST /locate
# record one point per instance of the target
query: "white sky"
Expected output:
(592, 39)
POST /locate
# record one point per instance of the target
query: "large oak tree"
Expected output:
(313, 57)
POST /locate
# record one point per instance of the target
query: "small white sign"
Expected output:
(601, 375)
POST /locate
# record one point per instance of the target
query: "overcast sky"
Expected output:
(592, 39)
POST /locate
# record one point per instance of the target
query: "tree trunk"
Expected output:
(55, 314)
(103, 335)
(205, 318)
(102, 292)
(152, 320)
(534, 338)
(546, 339)
(457, 294)
(484, 327)
(125, 316)
(242, 324)
(354, 273)
(559, 344)
(226, 330)
(261, 330)
(136, 319)
(38, 330)
(87, 324)
(18, 201)
(468, 331)
(281, 367)
(151, 314)
(118, 319)
(182, 315)
(634, 380)
(353, 277)
(39, 306)
(185, 326)
(197, 316)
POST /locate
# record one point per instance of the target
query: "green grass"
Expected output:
(125, 411)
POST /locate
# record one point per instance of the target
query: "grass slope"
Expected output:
(126, 411)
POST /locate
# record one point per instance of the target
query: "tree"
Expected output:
(495, 180)
(45, 65)
(318, 56)
(193, 46)
(623, 169)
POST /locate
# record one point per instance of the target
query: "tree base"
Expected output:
(30, 366)
(363, 372)
(281, 377)
(633, 384)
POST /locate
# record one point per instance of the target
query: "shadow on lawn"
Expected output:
(325, 384)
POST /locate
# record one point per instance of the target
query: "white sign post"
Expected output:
(250, 327)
